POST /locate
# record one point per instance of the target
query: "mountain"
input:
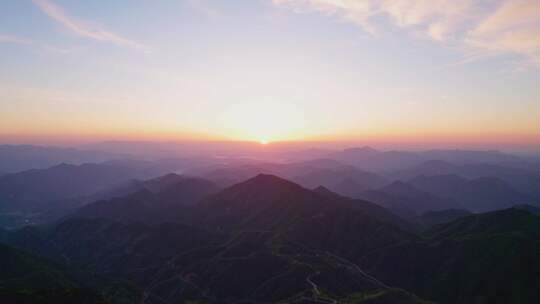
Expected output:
(325, 192)
(445, 185)
(186, 189)
(371, 159)
(343, 179)
(368, 158)
(29, 279)
(406, 200)
(168, 198)
(523, 177)
(347, 181)
(429, 168)
(495, 222)
(16, 158)
(43, 195)
(479, 195)
(432, 218)
(486, 194)
(35, 189)
(156, 200)
(269, 203)
(178, 263)
(529, 208)
(481, 258)
(470, 156)
(264, 240)
(270, 240)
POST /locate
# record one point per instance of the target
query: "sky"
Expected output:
(271, 70)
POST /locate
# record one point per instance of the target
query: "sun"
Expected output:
(263, 121)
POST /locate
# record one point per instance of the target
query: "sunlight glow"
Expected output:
(262, 121)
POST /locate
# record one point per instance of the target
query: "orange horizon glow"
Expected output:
(318, 77)
(156, 136)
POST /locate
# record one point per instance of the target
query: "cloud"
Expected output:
(436, 18)
(357, 12)
(479, 28)
(14, 39)
(514, 27)
(82, 29)
(34, 44)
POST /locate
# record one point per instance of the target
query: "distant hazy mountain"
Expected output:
(232, 173)
(484, 258)
(479, 194)
(346, 181)
(370, 159)
(406, 200)
(469, 156)
(445, 185)
(186, 185)
(160, 199)
(38, 189)
(382, 161)
(343, 179)
(524, 180)
(15, 158)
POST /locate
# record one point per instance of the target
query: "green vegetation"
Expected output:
(28, 279)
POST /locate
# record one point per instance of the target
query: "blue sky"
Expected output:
(272, 70)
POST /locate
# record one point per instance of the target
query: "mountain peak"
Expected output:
(64, 166)
(267, 179)
(268, 184)
(325, 192)
(170, 176)
(261, 190)
(322, 190)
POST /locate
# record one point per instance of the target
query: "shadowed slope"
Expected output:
(269, 203)
(483, 258)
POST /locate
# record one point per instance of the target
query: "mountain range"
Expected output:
(16, 158)
(385, 161)
(460, 229)
(268, 239)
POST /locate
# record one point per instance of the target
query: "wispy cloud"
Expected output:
(14, 39)
(477, 27)
(83, 29)
(26, 42)
(437, 18)
(514, 27)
